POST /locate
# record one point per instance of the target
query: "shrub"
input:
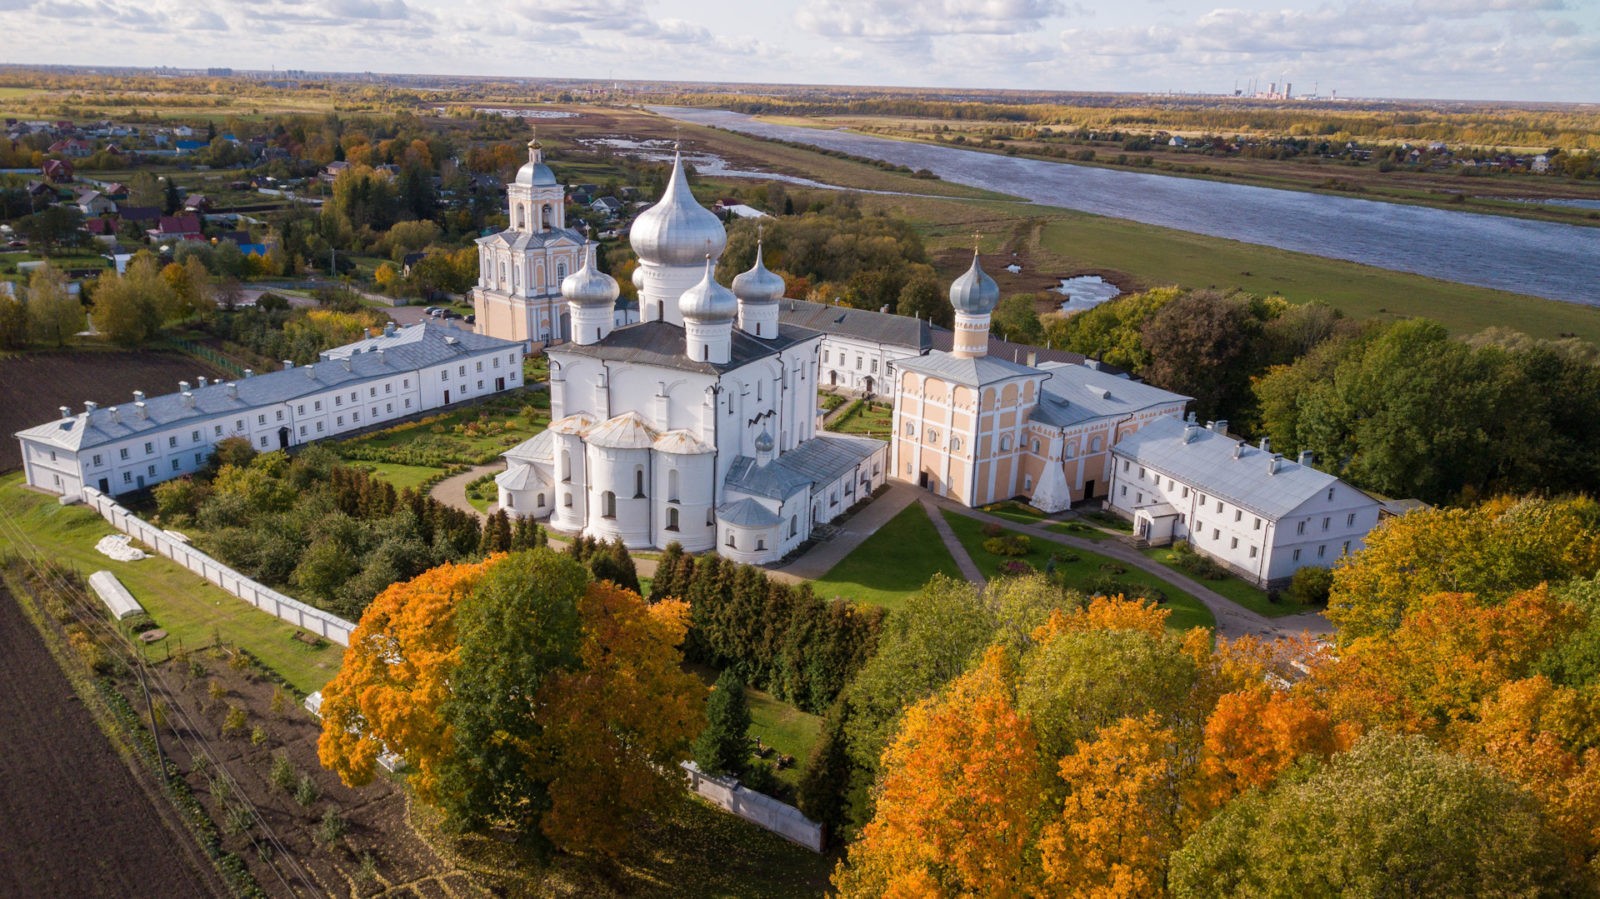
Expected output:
(332, 828)
(992, 530)
(1191, 562)
(1015, 568)
(280, 700)
(1009, 545)
(1310, 586)
(258, 735)
(284, 776)
(306, 791)
(235, 721)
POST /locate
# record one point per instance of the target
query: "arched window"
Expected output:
(522, 217)
(933, 435)
(541, 501)
(911, 429)
(566, 467)
(955, 444)
(758, 390)
(561, 271)
(1094, 445)
(511, 501)
(672, 519)
(566, 500)
(549, 220)
(1071, 451)
(794, 525)
(732, 544)
(638, 481)
(672, 485)
(1005, 443)
(1036, 444)
(608, 505)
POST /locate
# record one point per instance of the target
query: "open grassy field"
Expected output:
(192, 611)
(891, 564)
(1079, 569)
(785, 728)
(399, 476)
(1051, 243)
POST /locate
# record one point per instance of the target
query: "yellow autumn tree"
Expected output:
(958, 803)
(394, 678)
(1120, 820)
(619, 723)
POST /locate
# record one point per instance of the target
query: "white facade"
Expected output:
(402, 373)
(688, 427)
(1260, 515)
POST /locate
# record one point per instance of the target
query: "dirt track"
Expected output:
(73, 821)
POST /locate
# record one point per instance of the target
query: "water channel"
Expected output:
(1561, 262)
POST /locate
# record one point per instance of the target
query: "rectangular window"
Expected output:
(497, 362)
(405, 382)
(239, 425)
(172, 443)
(372, 391)
(338, 401)
(319, 427)
(341, 421)
(302, 430)
(480, 385)
(1124, 486)
(1202, 500)
(261, 419)
(1300, 528)
(1350, 520)
(300, 409)
(1141, 472)
(353, 395)
(355, 416)
(1297, 555)
(1252, 552)
(388, 388)
(194, 436)
(263, 441)
(199, 458)
(1258, 524)
(1346, 550)
(176, 464)
(1325, 520)
(124, 452)
(127, 477)
(1322, 550)
(1219, 505)
(463, 369)
(97, 460)
(1234, 543)
(1124, 466)
(408, 402)
(217, 431)
(316, 405)
(152, 470)
(480, 365)
(1186, 493)
(1216, 534)
(388, 407)
(1238, 514)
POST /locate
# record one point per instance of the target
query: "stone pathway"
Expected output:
(969, 568)
(1233, 620)
(452, 491)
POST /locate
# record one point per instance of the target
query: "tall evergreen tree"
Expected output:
(724, 746)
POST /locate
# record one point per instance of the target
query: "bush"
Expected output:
(1009, 545)
(992, 530)
(306, 791)
(235, 722)
(1310, 586)
(1191, 562)
(332, 828)
(1015, 568)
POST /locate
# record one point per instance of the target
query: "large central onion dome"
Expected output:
(535, 173)
(677, 230)
(758, 285)
(589, 286)
(708, 301)
(974, 293)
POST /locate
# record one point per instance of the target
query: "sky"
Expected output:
(1536, 50)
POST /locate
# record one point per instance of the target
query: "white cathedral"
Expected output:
(697, 424)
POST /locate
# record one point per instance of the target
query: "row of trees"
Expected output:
(335, 533)
(1451, 744)
(775, 636)
(43, 312)
(1400, 408)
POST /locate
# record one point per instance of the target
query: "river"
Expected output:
(1560, 262)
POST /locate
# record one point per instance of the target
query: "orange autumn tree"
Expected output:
(1254, 735)
(525, 697)
(957, 809)
(394, 677)
(619, 723)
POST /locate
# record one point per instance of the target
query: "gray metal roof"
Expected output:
(973, 372)
(408, 349)
(746, 513)
(945, 339)
(771, 480)
(662, 344)
(862, 324)
(826, 457)
(522, 240)
(1078, 393)
(1207, 463)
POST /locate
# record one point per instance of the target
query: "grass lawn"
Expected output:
(1237, 590)
(784, 728)
(1015, 511)
(1077, 529)
(191, 610)
(1187, 611)
(873, 419)
(892, 563)
(400, 476)
(474, 435)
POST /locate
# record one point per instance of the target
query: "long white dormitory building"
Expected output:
(384, 378)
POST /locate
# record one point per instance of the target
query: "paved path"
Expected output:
(852, 533)
(969, 568)
(1233, 620)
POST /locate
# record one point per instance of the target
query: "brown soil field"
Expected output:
(378, 852)
(34, 385)
(76, 822)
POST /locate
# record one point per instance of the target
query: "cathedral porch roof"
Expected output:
(746, 513)
(626, 431)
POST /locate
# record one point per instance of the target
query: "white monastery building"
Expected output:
(401, 373)
(1257, 513)
(697, 424)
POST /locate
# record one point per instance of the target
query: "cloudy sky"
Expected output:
(1487, 49)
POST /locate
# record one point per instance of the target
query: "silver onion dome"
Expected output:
(758, 285)
(974, 293)
(709, 301)
(677, 230)
(534, 172)
(589, 286)
(764, 442)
